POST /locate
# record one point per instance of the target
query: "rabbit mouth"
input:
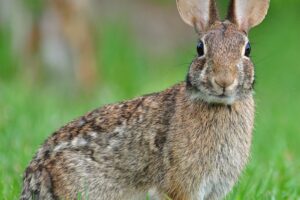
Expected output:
(221, 99)
(222, 96)
(213, 98)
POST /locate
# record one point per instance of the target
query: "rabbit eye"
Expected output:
(248, 49)
(200, 48)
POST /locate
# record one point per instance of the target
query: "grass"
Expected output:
(28, 114)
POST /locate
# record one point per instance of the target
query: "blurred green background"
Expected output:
(142, 46)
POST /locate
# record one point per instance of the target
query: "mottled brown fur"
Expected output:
(160, 147)
(189, 142)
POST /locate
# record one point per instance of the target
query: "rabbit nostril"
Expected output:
(224, 82)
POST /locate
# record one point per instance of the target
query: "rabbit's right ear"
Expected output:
(247, 13)
(198, 13)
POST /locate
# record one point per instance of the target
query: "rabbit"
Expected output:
(188, 142)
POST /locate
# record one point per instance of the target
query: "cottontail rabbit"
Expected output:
(190, 141)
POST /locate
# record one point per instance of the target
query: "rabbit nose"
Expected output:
(224, 82)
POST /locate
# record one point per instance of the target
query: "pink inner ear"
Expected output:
(198, 13)
(199, 25)
(248, 13)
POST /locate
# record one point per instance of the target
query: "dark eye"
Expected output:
(248, 49)
(200, 48)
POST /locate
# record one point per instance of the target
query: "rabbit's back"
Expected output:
(115, 147)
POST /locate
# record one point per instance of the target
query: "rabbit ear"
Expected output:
(198, 13)
(247, 13)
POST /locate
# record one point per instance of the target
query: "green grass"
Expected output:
(29, 114)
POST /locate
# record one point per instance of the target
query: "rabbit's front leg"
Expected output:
(218, 191)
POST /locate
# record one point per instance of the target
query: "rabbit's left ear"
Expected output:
(247, 13)
(198, 13)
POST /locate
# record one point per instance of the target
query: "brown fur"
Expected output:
(213, 12)
(231, 15)
(191, 141)
(161, 146)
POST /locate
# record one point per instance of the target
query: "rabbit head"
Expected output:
(222, 72)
